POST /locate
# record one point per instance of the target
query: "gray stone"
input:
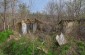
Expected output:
(61, 39)
(34, 27)
(24, 28)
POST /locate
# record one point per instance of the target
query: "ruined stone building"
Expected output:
(29, 25)
(72, 27)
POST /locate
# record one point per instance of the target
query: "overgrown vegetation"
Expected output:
(49, 22)
(29, 46)
(23, 46)
(4, 35)
(81, 47)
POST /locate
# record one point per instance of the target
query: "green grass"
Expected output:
(1, 52)
(81, 47)
(21, 47)
(26, 46)
(4, 35)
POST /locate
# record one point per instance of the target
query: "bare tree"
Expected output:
(55, 8)
(23, 10)
(13, 7)
(74, 8)
(5, 8)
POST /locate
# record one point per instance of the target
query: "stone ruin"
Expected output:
(24, 28)
(61, 39)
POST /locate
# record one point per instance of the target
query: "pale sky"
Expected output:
(38, 5)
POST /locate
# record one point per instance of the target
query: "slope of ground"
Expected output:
(32, 45)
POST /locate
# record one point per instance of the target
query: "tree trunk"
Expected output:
(4, 21)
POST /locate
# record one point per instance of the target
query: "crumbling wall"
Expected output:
(34, 27)
(71, 28)
(82, 29)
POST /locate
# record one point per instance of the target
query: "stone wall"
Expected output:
(23, 27)
(70, 27)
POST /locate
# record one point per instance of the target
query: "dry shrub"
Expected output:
(48, 42)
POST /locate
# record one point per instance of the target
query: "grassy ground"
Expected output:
(28, 45)
(4, 35)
